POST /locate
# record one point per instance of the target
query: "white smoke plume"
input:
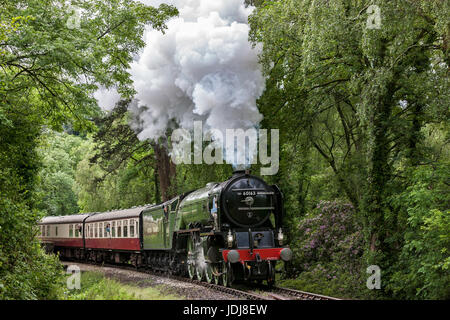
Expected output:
(202, 68)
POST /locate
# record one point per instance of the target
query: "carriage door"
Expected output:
(106, 233)
(166, 212)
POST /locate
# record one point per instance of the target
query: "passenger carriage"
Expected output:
(63, 234)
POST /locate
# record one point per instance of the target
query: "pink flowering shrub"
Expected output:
(328, 249)
(328, 233)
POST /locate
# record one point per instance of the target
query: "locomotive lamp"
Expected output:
(230, 239)
(280, 237)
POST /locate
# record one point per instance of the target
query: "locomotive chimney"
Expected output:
(240, 172)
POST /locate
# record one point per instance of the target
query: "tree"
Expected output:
(49, 72)
(57, 175)
(359, 96)
(63, 65)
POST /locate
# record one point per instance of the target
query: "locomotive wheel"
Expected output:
(227, 274)
(270, 275)
(199, 260)
(191, 261)
(216, 270)
(209, 273)
(199, 272)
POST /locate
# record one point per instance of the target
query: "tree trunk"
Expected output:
(166, 172)
(379, 172)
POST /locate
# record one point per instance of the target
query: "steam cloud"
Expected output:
(202, 68)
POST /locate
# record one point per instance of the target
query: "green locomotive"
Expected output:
(222, 232)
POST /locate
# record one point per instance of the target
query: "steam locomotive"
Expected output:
(220, 233)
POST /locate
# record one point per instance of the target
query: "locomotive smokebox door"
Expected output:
(249, 201)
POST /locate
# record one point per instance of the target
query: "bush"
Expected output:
(26, 272)
(421, 271)
(327, 252)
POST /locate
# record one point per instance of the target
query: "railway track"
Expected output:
(280, 293)
(275, 293)
(300, 295)
(231, 291)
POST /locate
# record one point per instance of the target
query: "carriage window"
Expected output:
(107, 229)
(100, 229)
(77, 231)
(56, 230)
(119, 229)
(95, 230)
(113, 230)
(70, 230)
(137, 227)
(131, 228)
(48, 231)
(125, 228)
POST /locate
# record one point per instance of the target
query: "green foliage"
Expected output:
(25, 271)
(60, 153)
(330, 280)
(99, 190)
(422, 271)
(95, 286)
(49, 74)
(355, 105)
(328, 246)
(63, 63)
(117, 170)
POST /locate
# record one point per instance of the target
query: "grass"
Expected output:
(95, 286)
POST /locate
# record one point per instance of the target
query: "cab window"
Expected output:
(173, 206)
